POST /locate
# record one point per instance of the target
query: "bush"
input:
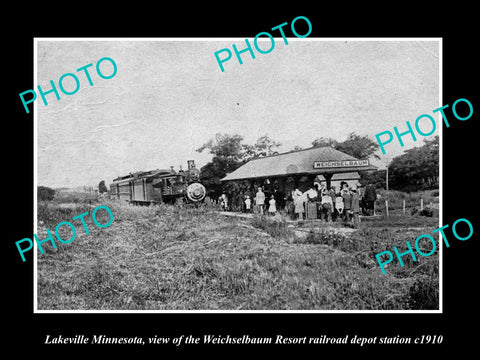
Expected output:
(423, 294)
(51, 216)
(331, 238)
(102, 188)
(276, 229)
(45, 193)
(426, 212)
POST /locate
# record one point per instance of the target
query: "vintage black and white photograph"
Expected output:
(209, 175)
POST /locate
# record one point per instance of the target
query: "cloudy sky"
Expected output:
(169, 97)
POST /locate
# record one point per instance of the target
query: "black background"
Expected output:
(25, 331)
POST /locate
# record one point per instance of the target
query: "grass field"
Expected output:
(173, 258)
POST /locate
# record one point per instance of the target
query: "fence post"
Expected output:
(403, 206)
(421, 204)
(386, 206)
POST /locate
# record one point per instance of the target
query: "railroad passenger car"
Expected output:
(159, 186)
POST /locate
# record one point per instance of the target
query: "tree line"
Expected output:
(416, 169)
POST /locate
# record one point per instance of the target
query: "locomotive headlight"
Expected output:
(194, 174)
(196, 192)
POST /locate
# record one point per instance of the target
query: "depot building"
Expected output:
(301, 169)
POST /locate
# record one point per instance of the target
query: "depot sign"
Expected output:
(341, 163)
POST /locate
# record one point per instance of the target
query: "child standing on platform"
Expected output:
(248, 204)
(272, 209)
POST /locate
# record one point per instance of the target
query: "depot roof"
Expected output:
(342, 176)
(317, 160)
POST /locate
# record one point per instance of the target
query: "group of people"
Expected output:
(260, 203)
(270, 204)
(327, 204)
(318, 202)
(346, 204)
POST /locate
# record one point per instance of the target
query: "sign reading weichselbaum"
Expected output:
(340, 163)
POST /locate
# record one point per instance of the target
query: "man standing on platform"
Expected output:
(347, 203)
(279, 199)
(333, 196)
(355, 207)
(260, 200)
(369, 197)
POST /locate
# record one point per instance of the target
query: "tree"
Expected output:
(45, 193)
(264, 146)
(360, 147)
(416, 168)
(323, 142)
(102, 188)
(224, 146)
(376, 178)
(227, 157)
(212, 172)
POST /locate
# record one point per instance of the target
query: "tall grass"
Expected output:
(277, 228)
(167, 257)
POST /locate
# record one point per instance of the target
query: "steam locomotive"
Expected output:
(159, 186)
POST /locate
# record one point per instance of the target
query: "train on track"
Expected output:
(160, 186)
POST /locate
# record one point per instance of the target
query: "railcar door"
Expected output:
(154, 190)
(138, 193)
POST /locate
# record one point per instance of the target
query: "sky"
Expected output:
(169, 97)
